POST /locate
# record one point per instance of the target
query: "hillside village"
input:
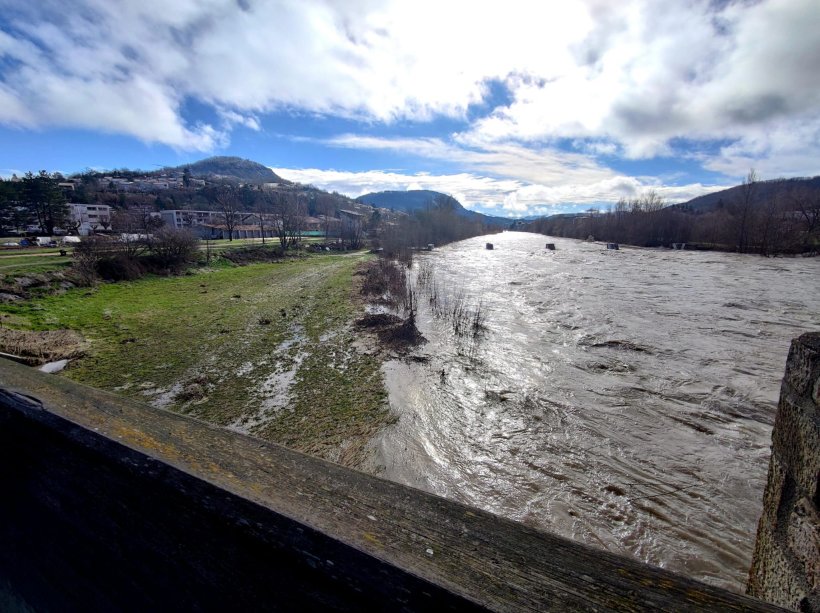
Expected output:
(213, 205)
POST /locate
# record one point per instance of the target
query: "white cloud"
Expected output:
(650, 73)
(623, 78)
(531, 164)
(504, 197)
(232, 118)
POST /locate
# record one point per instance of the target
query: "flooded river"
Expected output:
(623, 399)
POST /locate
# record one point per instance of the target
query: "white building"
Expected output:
(89, 218)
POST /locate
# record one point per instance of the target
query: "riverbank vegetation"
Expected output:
(267, 349)
(771, 218)
(437, 225)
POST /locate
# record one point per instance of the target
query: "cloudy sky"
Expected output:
(515, 108)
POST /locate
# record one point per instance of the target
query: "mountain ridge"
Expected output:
(420, 199)
(763, 191)
(230, 167)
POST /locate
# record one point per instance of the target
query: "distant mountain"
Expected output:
(408, 201)
(232, 168)
(764, 192)
(420, 199)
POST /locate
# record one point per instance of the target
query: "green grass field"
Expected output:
(266, 349)
(31, 264)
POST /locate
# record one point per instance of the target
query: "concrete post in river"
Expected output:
(786, 564)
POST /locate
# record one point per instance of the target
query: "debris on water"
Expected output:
(500, 396)
(614, 489)
(619, 344)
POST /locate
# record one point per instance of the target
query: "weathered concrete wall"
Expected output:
(786, 563)
(108, 504)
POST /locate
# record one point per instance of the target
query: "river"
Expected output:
(623, 399)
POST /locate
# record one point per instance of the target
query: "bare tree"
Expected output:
(770, 227)
(353, 232)
(652, 202)
(138, 224)
(806, 203)
(326, 206)
(744, 212)
(262, 212)
(228, 201)
(296, 218)
(287, 214)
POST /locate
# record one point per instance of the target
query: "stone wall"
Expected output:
(786, 564)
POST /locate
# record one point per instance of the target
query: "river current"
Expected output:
(623, 399)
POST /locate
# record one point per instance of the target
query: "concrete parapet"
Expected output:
(786, 563)
(108, 504)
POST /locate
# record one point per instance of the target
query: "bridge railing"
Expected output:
(108, 504)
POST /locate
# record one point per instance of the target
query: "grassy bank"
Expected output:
(11, 265)
(266, 349)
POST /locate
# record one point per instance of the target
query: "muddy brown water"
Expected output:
(623, 399)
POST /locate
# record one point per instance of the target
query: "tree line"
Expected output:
(785, 221)
(438, 224)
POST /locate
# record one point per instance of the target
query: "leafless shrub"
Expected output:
(41, 347)
(424, 274)
(173, 249)
(87, 256)
(466, 320)
(168, 251)
(479, 316)
(385, 280)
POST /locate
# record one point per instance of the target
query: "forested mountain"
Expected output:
(764, 192)
(410, 200)
(423, 200)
